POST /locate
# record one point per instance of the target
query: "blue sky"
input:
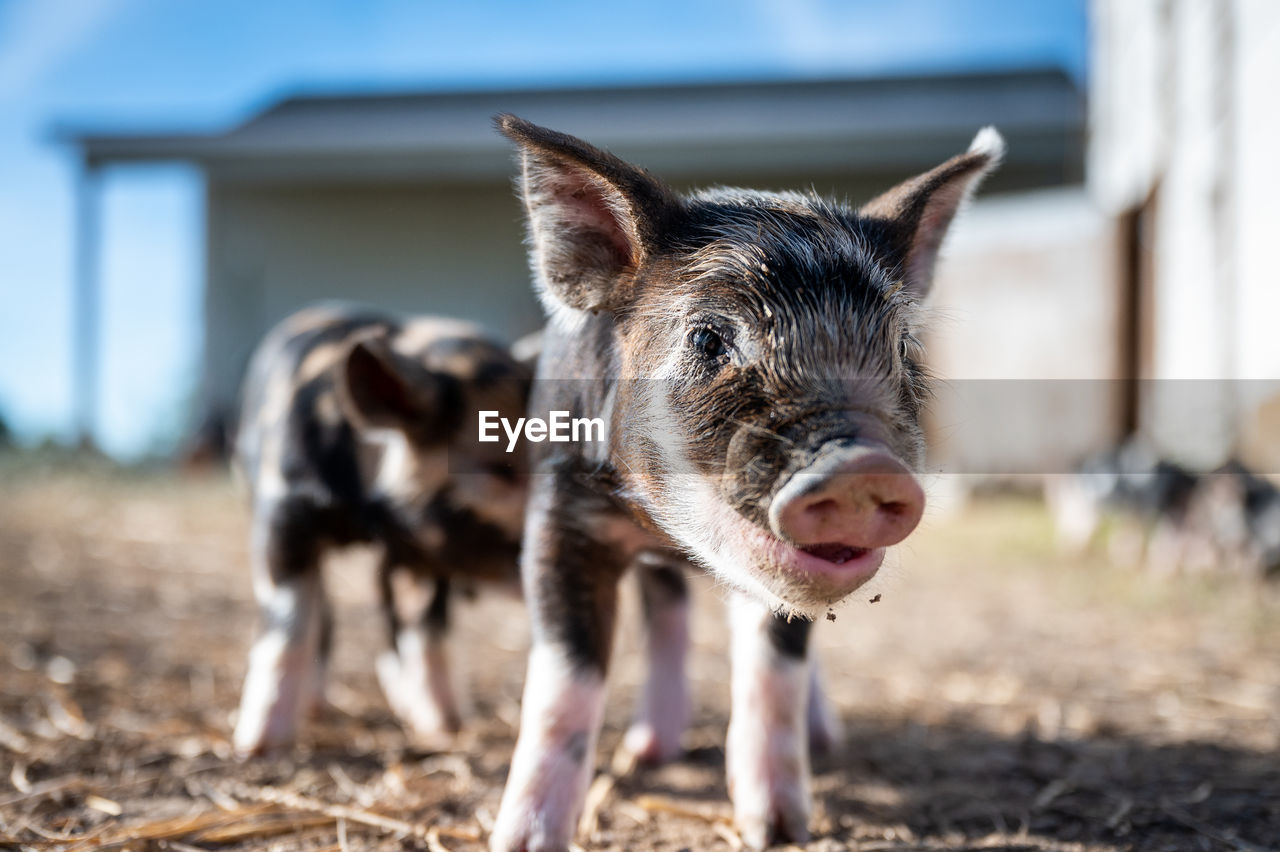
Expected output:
(197, 64)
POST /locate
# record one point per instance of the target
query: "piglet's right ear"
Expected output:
(593, 219)
(378, 390)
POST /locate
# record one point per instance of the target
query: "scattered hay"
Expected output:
(1005, 699)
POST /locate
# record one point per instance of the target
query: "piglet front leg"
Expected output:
(571, 584)
(555, 754)
(285, 676)
(768, 749)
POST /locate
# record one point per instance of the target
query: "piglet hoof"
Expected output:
(435, 733)
(653, 744)
(259, 738)
(264, 726)
(544, 796)
(532, 826)
(769, 785)
(430, 718)
(763, 824)
(244, 751)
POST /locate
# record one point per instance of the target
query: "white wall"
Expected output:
(1257, 226)
(418, 249)
(1024, 336)
(1184, 106)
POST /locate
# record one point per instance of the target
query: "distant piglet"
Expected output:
(358, 427)
(755, 357)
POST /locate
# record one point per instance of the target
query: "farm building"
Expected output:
(1183, 134)
(1098, 287)
(404, 201)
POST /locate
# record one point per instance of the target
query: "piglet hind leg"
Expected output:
(663, 710)
(826, 731)
(285, 662)
(315, 699)
(768, 749)
(415, 672)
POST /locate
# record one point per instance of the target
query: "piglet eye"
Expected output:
(707, 343)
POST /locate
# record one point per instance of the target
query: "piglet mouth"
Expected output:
(835, 552)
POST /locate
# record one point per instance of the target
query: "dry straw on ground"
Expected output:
(997, 696)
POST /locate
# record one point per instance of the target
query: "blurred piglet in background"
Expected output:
(360, 428)
(1155, 513)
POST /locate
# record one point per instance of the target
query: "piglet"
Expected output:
(361, 428)
(755, 356)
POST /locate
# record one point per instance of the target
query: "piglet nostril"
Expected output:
(894, 507)
(822, 507)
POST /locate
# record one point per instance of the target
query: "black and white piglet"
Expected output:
(755, 358)
(358, 427)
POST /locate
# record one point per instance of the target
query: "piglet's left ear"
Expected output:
(910, 221)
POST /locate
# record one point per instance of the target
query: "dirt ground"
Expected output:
(997, 695)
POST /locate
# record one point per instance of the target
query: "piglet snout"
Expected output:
(852, 495)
